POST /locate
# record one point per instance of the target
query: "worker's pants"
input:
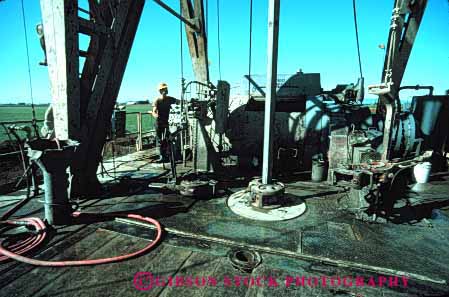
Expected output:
(162, 134)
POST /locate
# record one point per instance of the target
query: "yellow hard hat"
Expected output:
(162, 86)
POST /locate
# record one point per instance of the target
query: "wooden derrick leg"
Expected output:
(113, 85)
(60, 21)
(83, 103)
(112, 64)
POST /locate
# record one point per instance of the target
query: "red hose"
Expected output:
(34, 240)
(28, 243)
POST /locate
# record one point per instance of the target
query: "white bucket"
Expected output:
(422, 172)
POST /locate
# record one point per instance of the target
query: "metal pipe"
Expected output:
(183, 19)
(417, 87)
(388, 130)
(270, 99)
(57, 207)
(53, 160)
(184, 114)
(139, 132)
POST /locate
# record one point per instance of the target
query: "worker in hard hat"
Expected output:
(160, 112)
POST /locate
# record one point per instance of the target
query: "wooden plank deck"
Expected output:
(324, 242)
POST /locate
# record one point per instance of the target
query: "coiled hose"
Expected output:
(16, 250)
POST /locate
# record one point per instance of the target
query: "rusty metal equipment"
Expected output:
(199, 188)
(405, 22)
(285, 207)
(266, 196)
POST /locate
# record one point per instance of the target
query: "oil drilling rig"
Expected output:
(370, 153)
(368, 156)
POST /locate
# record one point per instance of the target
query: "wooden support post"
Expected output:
(206, 158)
(399, 49)
(121, 51)
(83, 106)
(197, 39)
(174, 13)
(60, 21)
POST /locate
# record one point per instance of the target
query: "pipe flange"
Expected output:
(266, 196)
(244, 260)
(239, 203)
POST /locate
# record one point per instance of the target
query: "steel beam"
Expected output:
(270, 99)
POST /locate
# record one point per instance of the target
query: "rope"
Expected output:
(357, 37)
(250, 44)
(29, 69)
(218, 38)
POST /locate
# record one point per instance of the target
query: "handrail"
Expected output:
(137, 112)
(5, 123)
(19, 122)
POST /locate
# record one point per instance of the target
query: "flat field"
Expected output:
(24, 113)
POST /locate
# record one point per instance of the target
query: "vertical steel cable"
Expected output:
(218, 38)
(181, 42)
(357, 36)
(29, 68)
(250, 44)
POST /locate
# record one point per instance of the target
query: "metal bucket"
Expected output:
(422, 172)
(319, 170)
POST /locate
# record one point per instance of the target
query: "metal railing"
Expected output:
(141, 134)
(6, 124)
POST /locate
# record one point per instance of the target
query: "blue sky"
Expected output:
(315, 36)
